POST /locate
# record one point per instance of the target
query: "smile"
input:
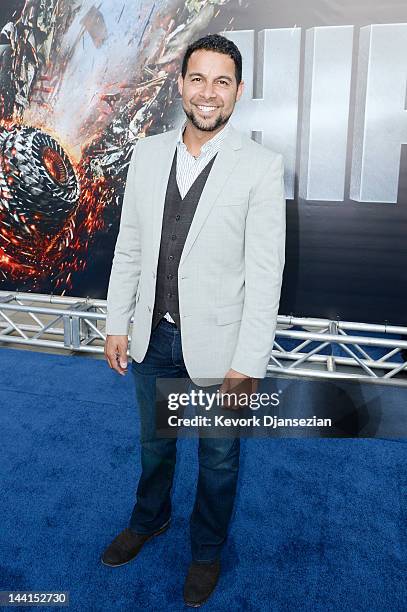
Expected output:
(206, 109)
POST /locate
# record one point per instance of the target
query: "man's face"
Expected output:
(209, 90)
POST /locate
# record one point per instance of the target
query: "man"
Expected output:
(198, 262)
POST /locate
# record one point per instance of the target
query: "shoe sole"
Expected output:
(153, 535)
(198, 605)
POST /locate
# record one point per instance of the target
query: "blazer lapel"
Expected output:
(223, 166)
(161, 164)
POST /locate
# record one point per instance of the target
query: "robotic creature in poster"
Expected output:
(80, 82)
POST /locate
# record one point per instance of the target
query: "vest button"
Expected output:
(171, 257)
(169, 295)
(169, 276)
(178, 217)
(173, 237)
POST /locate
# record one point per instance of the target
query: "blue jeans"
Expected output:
(218, 458)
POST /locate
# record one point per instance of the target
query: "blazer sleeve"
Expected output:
(264, 263)
(126, 266)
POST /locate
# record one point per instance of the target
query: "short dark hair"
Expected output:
(218, 43)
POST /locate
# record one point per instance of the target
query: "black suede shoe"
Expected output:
(200, 582)
(126, 546)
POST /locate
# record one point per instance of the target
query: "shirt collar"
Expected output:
(211, 143)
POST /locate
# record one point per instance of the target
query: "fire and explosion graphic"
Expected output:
(79, 84)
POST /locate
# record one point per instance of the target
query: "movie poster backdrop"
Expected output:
(325, 85)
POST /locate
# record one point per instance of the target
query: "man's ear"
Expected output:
(180, 83)
(240, 90)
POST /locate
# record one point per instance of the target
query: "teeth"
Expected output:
(206, 109)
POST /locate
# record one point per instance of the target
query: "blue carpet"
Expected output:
(320, 525)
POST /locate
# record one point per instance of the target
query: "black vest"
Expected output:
(177, 219)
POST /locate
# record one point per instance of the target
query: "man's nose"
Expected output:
(208, 91)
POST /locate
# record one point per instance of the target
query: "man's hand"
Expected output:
(116, 353)
(239, 384)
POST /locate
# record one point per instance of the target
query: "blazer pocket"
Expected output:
(229, 314)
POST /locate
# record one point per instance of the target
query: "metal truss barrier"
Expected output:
(303, 346)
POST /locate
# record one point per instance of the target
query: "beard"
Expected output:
(203, 126)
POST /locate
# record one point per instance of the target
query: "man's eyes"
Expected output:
(221, 81)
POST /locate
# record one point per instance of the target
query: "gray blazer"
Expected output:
(230, 272)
